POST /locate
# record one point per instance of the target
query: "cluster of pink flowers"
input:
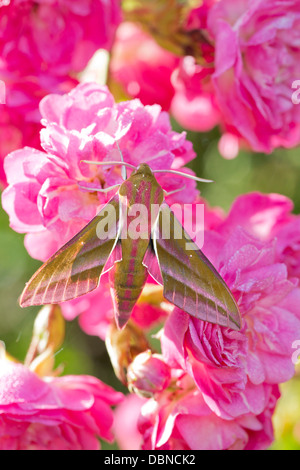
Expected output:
(224, 384)
(59, 36)
(214, 374)
(43, 45)
(209, 387)
(45, 198)
(62, 413)
(243, 83)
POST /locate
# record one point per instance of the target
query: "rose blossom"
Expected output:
(256, 61)
(154, 75)
(54, 413)
(179, 419)
(243, 79)
(142, 67)
(230, 368)
(41, 44)
(59, 36)
(224, 384)
(148, 374)
(230, 387)
(19, 115)
(126, 417)
(244, 83)
(45, 199)
(194, 104)
(269, 216)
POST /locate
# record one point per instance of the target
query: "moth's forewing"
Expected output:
(75, 269)
(190, 281)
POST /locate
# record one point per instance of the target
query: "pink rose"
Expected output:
(41, 44)
(179, 419)
(267, 216)
(142, 67)
(148, 374)
(154, 75)
(256, 62)
(288, 246)
(230, 368)
(244, 83)
(60, 413)
(45, 199)
(125, 426)
(225, 381)
(57, 36)
(194, 104)
(20, 116)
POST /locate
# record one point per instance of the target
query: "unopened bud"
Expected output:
(49, 327)
(123, 346)
(48, 332)
(148, 374)
(43, 364)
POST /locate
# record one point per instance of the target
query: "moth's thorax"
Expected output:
(142, 187)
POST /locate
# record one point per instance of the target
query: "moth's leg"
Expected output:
(123, 169)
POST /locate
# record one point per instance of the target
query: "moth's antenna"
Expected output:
(100, 190)
(185, 175)
(175, 191)
(109, 163)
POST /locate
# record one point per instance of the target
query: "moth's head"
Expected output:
(143, 170)
(140, 180)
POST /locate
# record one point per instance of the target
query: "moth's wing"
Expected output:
(75, 269)
(151, 263)
(114, 257)
(190, 281)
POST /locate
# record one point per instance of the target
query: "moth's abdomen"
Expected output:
(126, 287)
(140, 197)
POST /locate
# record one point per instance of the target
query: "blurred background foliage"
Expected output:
(82, 354)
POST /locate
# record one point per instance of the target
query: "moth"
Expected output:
(189, 280)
